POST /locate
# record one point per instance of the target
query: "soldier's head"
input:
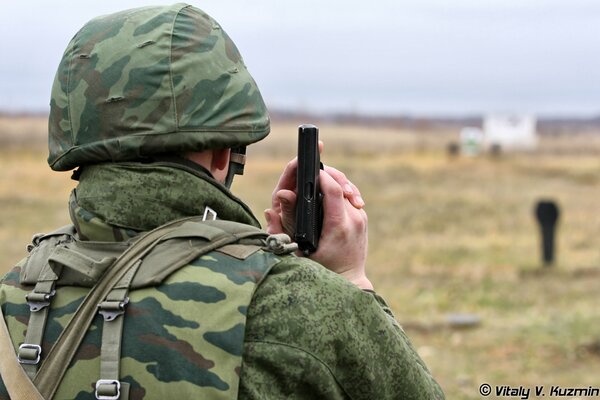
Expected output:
(152, 81)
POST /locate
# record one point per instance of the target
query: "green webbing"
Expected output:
(113, 311)
(81, 263)
(30, 351)
(18, 385)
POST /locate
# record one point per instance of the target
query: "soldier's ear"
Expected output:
(220, 159)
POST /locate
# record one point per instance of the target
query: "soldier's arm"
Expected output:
(311, 334)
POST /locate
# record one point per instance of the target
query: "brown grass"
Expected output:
(447, 235)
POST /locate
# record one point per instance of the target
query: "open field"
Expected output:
(447, 235)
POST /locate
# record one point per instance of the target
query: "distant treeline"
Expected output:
(545, 125)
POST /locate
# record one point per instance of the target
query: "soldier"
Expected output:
(153, 108)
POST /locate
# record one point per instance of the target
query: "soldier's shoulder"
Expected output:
(305, 295)
(302, 275)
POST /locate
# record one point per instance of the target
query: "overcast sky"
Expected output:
(385, 56)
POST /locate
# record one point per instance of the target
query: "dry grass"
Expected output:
(446, 236)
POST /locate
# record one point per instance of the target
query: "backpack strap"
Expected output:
(112, 309)
(87, 267)
(168, 256)
(39, 299)
(17, 383)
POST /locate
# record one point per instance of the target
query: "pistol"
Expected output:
(309, 210)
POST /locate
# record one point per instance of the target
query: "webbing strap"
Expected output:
(17, 383)
(112, 310)
(81, 263)
(30, 352)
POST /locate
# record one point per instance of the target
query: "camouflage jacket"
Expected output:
(303, 331)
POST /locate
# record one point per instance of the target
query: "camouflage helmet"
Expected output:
(147, 81)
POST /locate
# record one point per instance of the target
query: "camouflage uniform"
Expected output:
(245, 324)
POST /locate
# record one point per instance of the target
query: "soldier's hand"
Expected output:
(343, 242)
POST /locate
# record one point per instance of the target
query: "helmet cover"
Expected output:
(148, 81)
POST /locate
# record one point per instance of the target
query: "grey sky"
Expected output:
(387, 56)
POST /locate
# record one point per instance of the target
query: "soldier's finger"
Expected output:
(287, 199)
(287, 180)
(273, 222)
(356, 198)
(351, 192)
(333, 200)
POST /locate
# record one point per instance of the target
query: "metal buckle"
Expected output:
(111, 309)
(29, 360)
(37, 300)
(115, 389)
(209, 213)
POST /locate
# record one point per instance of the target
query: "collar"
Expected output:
(115, 201)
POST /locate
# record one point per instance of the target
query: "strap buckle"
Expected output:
(39, 300)
(29, 353)
(209, 214)
(111, 309)
(108, 389)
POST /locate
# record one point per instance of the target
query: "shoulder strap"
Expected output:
(39, 304)
(214, 235)
(14, 377)
(112, 310)
(193, 236)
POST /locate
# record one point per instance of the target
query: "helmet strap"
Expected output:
(237, 160)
